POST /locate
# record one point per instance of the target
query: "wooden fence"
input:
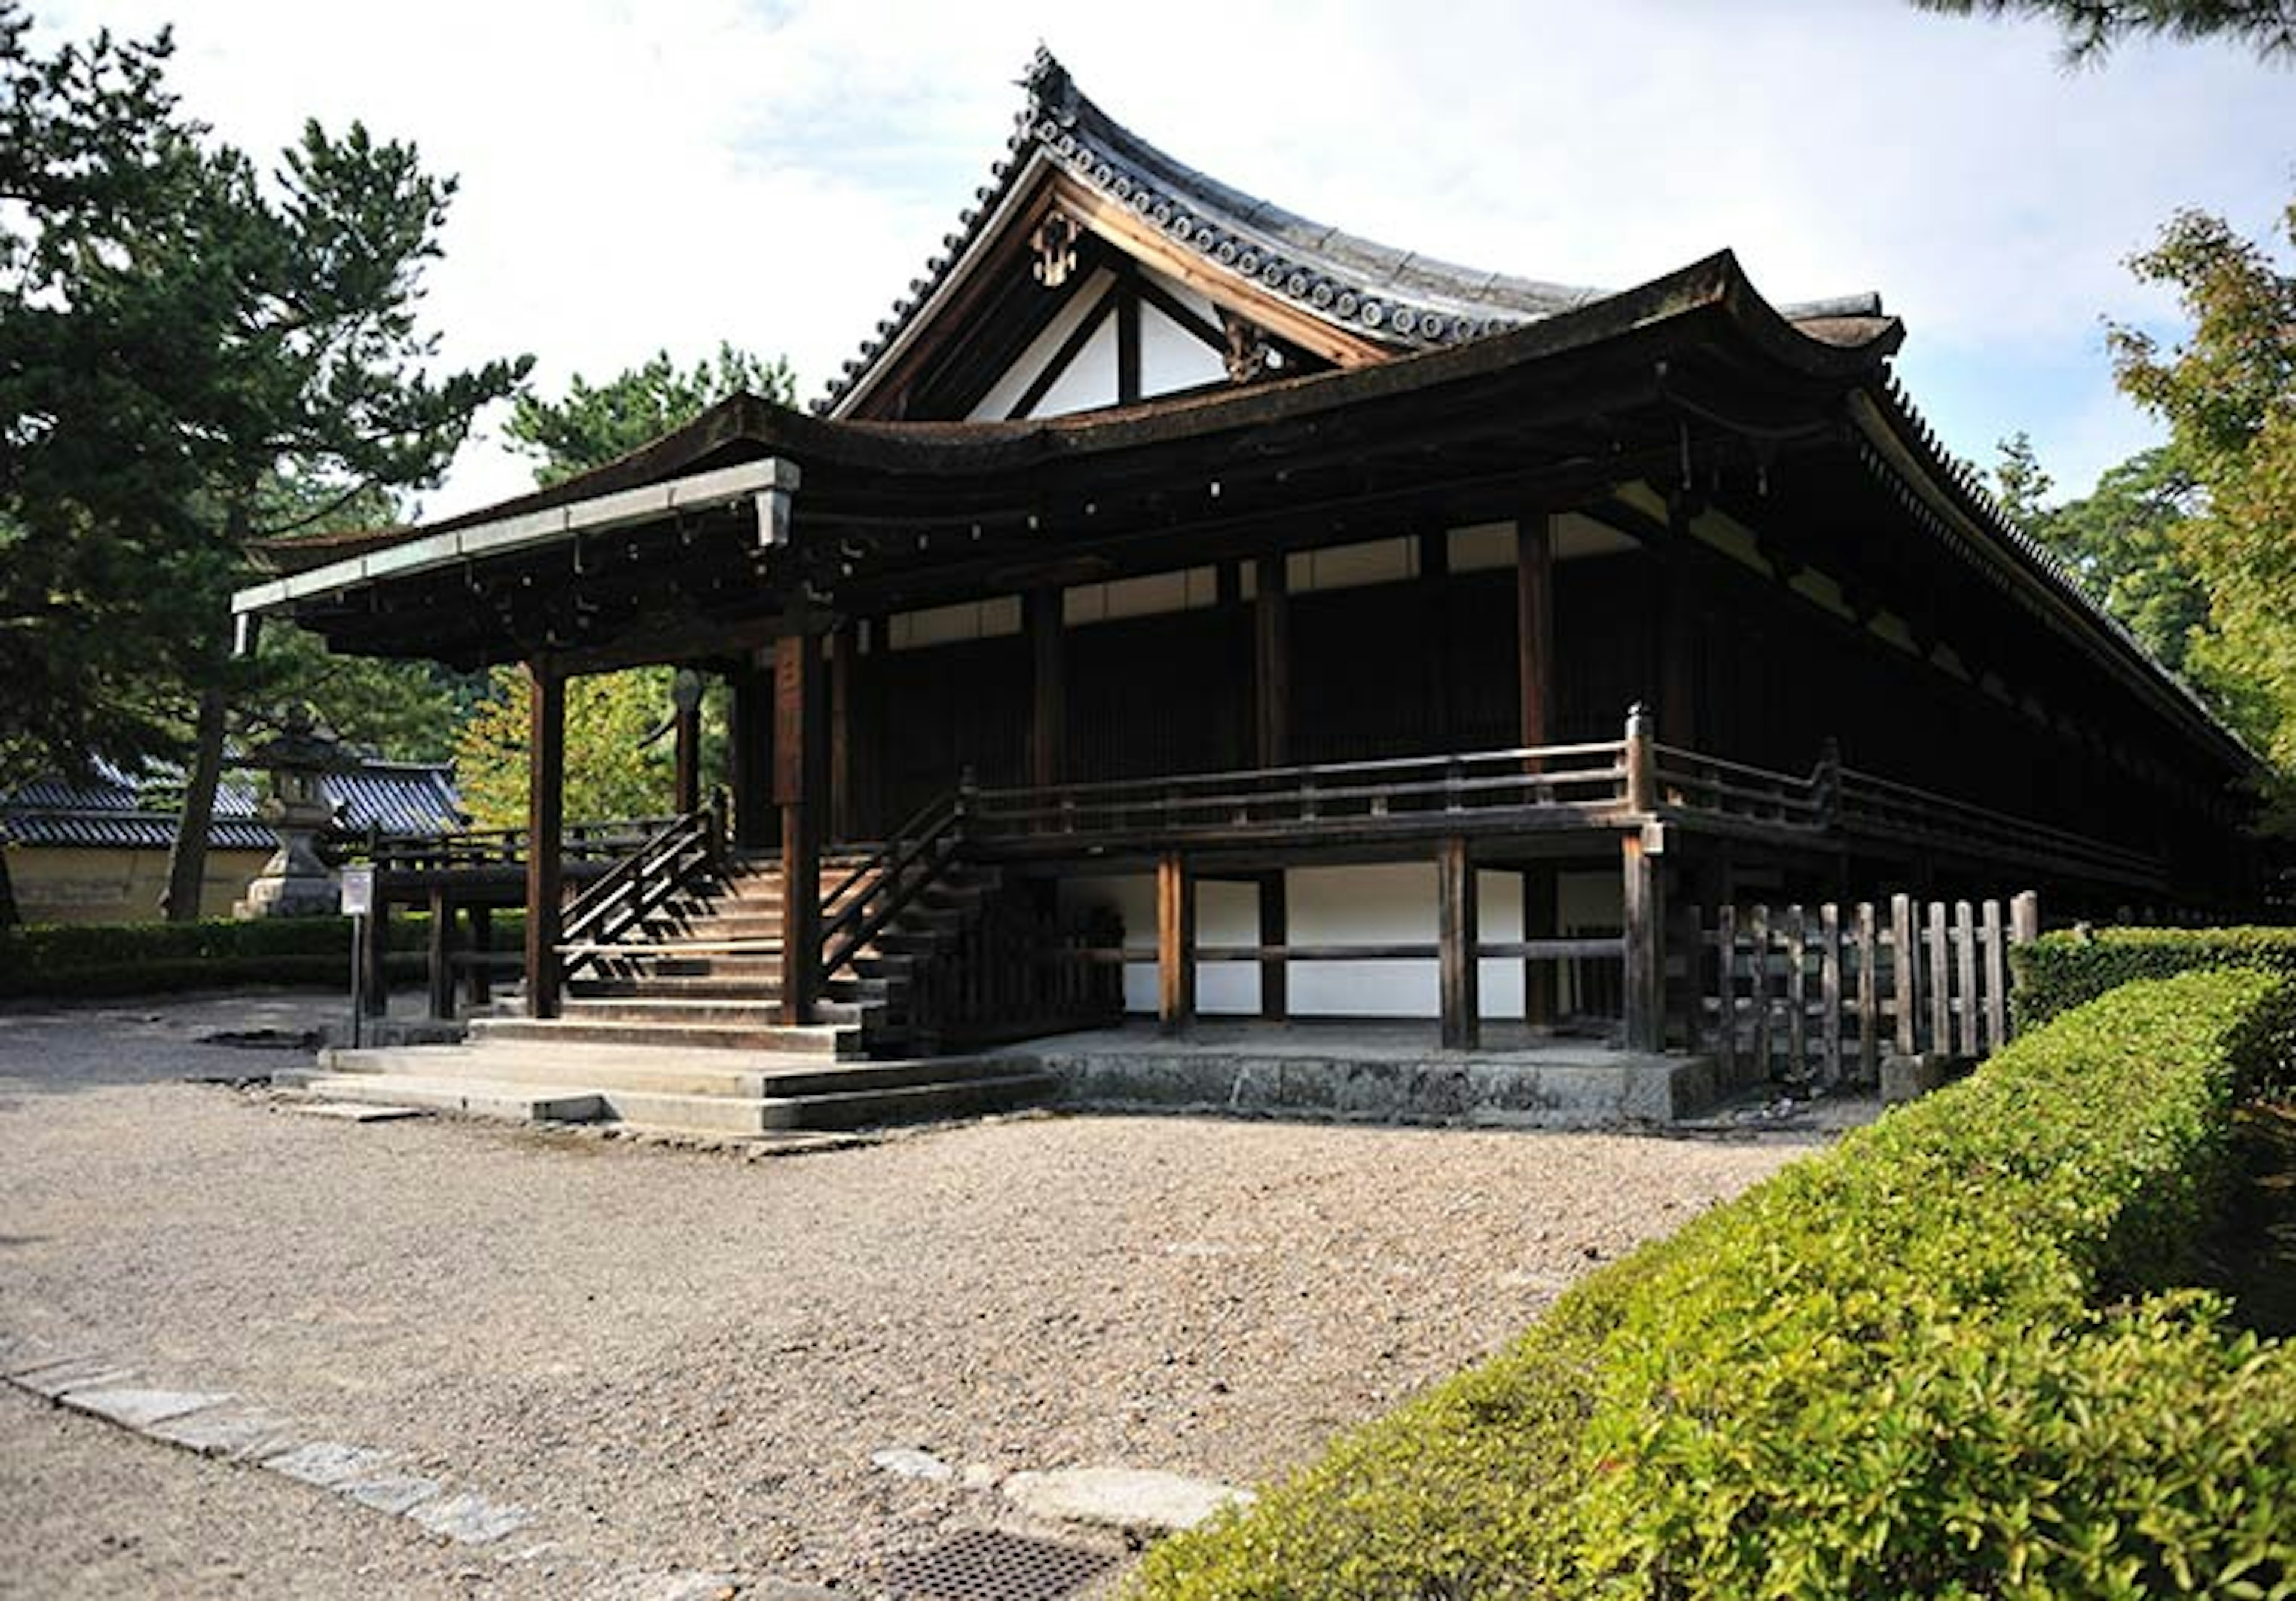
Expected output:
(1823, 993)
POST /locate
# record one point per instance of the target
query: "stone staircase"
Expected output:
(676, 1026)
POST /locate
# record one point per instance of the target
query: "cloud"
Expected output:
(636, 178)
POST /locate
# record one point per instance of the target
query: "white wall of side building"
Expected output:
(1386, 904)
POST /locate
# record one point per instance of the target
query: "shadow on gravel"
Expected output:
(62, 1048)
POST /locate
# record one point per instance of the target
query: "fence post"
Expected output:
(1640, 789)
(1797, 993)
(1644, 925)
(1759, 942)
(1869, 1019)
(1940, 982)
(1829, 988)
(1964, 936)
(1726, 986)
(1996, 978)
(1905, 963)
(2024, 918)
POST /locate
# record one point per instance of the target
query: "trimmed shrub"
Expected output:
(133, 958)
(2073, 966)
(1937, 1359)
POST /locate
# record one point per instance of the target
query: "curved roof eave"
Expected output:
(1395, 299)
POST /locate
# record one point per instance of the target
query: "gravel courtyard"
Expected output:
(681, 1360)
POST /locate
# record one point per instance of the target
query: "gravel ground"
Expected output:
(684, 1359)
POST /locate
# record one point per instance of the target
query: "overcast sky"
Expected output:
(637, 176)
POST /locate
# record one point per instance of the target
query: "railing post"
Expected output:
(1828, 783)
(1176, 943)
(1640, 786)
(1644, 944)
(1459, 934)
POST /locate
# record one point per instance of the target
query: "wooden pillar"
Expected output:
(1643, 930)
(797, 792)
(1274, 929)
(1534, 613)
(1538, 986)
(687, 731)
(1271, 664)
(478, 986)
(1678, 647)
(1048, 703)
(1176, 943)
(1458, 933)
(376, 955)
(751, 761)
(844, 685)
(546, 822)
(442, 954)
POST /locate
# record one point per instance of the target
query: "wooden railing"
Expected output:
(1561, 783)
(474, 849)
(881, 886)
(1823, 993)
(669, 862)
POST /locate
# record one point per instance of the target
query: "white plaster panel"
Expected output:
(1172, 358)
(1005, 393)
(965, 621)
(1090, 380)
(1227, 914)
(1352, 566)
(1482, 548)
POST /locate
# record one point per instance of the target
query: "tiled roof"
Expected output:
(1391, 298)
(104, 812)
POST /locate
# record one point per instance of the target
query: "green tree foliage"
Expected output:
(594, 424)
(2092, 27)
(181, 335)
(612, 769)
(607, 774)
(2227, 392)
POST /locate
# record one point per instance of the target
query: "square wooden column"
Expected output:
(1048, 700)
(1176, 943)
(752, 757)
(1534, 612)
(797, 791)
(1274, 929)
(1644, 935)
(687, 733)
(1457, 935)
(545, 825)
(1271, 664)
(1538, 977)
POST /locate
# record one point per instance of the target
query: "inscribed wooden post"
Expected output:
(1797, 993)
(1176, 943)
(1457, 931)
(795, 792)
(687, 733)
(1905, 963)
(1996, 978)
(1644, 919)
(755, 826)
(1829, 989)
(478, 987)
(545, 824)
(1940, 982)
(1725, 989)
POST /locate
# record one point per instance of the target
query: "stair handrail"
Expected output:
(882, 887)
(669, 861)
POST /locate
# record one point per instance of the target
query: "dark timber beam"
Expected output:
(1275, 932)
(545, 825)
(797, 792)
(1271, 664)
(1534, 611)
(1457, 930)
(1048, 703)
(1176, 943)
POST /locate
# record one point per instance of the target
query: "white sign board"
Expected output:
(358, 891)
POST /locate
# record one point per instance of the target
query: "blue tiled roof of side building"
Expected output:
(394, 797)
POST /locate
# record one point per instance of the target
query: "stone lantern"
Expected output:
(295, 883)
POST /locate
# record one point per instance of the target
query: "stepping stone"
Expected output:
(395, 1493)
(351, 1111)
(327, 1463)
(81, 1373)
(227, 1433)
(471, 1520)
(141, 1408)
(1121, 1497)
(908, 1463)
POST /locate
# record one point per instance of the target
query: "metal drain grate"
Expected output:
(985, 1565)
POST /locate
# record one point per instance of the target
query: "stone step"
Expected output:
(829, 1041)
(949, 1097)
(655, 1004)
(710, 981)
(722, 1074)
(470, 1096)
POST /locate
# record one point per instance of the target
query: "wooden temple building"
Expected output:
(1179, 589)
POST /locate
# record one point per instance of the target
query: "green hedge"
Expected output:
(137, 958)
(2070, 968)
(1922, 1363)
